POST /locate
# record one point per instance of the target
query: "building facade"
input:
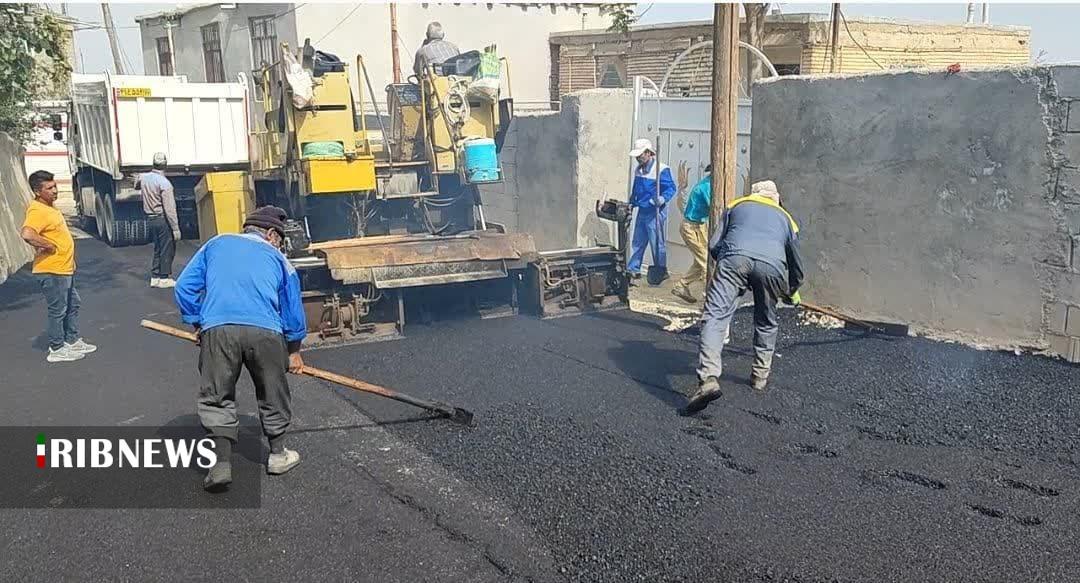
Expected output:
(795, 43)
(216, 42)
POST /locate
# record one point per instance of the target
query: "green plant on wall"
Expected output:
(32, 61)
(622, 16)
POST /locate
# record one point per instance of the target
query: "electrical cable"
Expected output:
(340, 22)
(844, 19)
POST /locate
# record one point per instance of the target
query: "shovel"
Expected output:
(455, 414)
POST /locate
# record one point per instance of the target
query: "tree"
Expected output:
(32, 60)
(622, 16)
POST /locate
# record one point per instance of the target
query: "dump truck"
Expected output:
(386, 213)
(120, 121)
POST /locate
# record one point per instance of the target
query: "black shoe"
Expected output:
(708, 391)
(218, 478)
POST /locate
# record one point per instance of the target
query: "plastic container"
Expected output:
(481, 161)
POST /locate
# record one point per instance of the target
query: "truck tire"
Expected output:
(120, 225)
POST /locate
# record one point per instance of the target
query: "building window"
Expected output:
(611, 79)
(211, 44)
(164, 57)
(263, 51)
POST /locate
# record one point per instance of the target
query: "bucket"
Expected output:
(481, 161)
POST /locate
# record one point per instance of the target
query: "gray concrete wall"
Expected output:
(14, 196)
(557, 165)
(948, 202)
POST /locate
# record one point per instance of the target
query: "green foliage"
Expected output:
(622, 16)
(32, 63)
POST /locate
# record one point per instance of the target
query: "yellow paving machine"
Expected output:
(386, 213)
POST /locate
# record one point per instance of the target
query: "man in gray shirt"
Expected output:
(435, 49)
(756, 248)
(159, 204)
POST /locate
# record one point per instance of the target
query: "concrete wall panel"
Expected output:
(923, 197)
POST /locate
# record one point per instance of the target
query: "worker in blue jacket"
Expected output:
(756, 248)
(243, 298)
(651, 207)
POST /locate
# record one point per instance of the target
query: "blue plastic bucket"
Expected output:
(481, 161)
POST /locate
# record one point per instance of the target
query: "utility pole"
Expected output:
(725, 103)
(834, 66)
(986, 13)
(110, 30)
(395, 58)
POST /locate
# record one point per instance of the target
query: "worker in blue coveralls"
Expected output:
(648, 231)
(243, 298)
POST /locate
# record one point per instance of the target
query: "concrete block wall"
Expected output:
(557, 165)
(14, 196)
(951, 202)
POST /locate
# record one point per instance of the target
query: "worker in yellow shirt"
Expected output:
(54, 267)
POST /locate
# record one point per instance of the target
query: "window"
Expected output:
(211, 45)
(164, 56)
(263, 51)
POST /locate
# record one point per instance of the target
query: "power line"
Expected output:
(844, 19)
(338, 25)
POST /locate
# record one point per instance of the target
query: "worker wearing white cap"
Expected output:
(159, 204)
(756, 248)
(651, 204)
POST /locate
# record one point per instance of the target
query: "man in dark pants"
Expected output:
(159, 204)
(54, 267)
(243, 298)
(756, 248)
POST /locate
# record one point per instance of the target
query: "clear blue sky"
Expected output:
(1053, 26)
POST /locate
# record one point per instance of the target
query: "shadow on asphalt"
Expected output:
(653, 369)
(92, 274)
(249, 444)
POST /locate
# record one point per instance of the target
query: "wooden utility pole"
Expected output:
(394, 43)
(110, 30)
(834, 66)
(725, 103)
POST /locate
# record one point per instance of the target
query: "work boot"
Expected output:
(682, 292)
(708, 391)
(219, 477)
(758, 383)
(279, 463)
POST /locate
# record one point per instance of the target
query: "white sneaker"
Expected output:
(64, 354)
(279, 463)
(80, 346)
(166, 282)
(154, 282)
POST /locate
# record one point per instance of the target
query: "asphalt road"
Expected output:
(869, 459)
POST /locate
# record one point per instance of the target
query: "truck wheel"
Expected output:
(121, 225)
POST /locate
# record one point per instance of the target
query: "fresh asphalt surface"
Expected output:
(869, 459)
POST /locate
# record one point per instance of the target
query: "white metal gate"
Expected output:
(683, 130)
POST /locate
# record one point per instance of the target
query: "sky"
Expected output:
(1052, 25)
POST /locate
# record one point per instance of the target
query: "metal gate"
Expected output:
(683, 130)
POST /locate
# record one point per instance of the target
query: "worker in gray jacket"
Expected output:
(757, 248)
(159, 204)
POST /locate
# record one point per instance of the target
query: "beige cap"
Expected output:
(766, 188)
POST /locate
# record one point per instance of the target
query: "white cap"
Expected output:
(640, 145)
(160, 159)
(766, 188)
